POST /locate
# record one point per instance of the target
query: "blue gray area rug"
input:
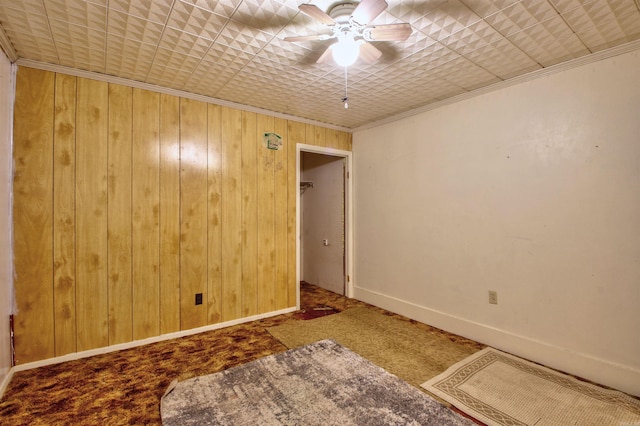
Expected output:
(322, 383)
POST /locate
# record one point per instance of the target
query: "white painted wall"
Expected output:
(323, 218)
(531, 190)
(6, 268)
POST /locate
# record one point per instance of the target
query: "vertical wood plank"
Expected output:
(332, 138)
(64, 223)
(297, 134)
(214, 229)
(119, 217)
(91, 214)
(337, 139)
(145, 195)
(169, 214)
(193, 207)
(321, 136)
(231, 213)
(344, 141)
(281, 214)
(249, 214)
(315, 135)
(33, 215)
(266, 219)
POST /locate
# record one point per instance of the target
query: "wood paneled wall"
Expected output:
(129, 202)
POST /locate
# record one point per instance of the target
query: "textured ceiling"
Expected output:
(233, 50)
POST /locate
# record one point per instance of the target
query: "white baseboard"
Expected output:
(617, 376)
(128, 345)
(7, 375)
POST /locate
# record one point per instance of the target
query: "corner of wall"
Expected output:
(7, 83)
(6, 375)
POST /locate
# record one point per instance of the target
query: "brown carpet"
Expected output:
(317, 312)
(125, 387)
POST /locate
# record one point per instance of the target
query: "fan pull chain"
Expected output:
(346, 96)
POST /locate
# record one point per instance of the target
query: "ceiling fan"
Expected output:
(349, 24)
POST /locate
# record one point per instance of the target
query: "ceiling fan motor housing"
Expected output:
(341, 12)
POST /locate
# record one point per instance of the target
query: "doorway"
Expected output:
(324, 224)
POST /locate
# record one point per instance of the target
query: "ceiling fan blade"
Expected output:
(391, 32)
(368, 10)
(316, 13)
(309, 37)
(325, 57)
(369, 53)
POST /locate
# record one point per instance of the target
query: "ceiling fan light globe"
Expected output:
(345, 52)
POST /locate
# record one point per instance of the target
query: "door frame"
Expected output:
(348, 213)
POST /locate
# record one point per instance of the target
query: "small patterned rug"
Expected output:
(315, 312)
(323, 383)
(501, 389)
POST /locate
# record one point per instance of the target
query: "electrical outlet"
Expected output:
(198, 298)
(493, 297)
